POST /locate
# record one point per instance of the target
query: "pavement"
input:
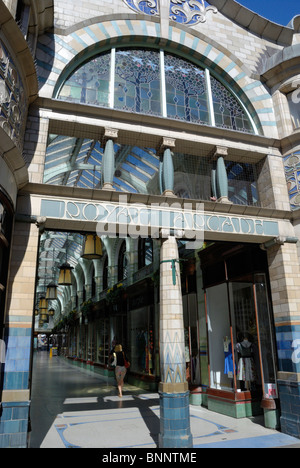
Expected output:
(75, 408)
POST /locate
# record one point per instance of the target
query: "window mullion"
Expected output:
(210, 98)
(163, 84)
(112, 78)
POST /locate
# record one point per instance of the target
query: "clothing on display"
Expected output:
(246, 368)
(228, 367)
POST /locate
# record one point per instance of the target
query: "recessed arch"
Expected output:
(144, 33)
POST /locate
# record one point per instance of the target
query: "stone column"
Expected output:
(219, 178)
(166, 168)
(99, 286)
(108, 161)
(88, 291)
(173, 388)
(20, 302)
(285, 285)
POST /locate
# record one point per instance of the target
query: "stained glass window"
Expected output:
(227, 110)
(90, 83)
(185, 90)
(132, 80)
(137, 81)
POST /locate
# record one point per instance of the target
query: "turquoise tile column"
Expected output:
(15, 396)
(288, 346)
(15, 414)
(173, 389)
(284, 281)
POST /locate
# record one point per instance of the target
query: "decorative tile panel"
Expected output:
(292, 173)
(13, 106)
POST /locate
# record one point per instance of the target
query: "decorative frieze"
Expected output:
(292, 173)
(187, 12)
(13, 105)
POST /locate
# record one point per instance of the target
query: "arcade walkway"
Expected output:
(76, 408)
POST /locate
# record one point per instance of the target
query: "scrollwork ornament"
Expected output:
(148, 7)
(190, 12)
(187, 12)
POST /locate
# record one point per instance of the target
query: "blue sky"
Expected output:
(279, 11)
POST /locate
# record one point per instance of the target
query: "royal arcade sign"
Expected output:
(157, 220)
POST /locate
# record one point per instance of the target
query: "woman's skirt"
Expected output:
(120, 372)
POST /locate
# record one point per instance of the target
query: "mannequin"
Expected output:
(246, 370)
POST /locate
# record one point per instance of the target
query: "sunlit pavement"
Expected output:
(75, 408)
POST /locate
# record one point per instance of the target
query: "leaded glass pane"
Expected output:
(228, 111)
(137, 81)
(90, 83)
(137, 88)
(186, 91)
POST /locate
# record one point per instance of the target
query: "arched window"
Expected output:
(156, 82)
(122, 263)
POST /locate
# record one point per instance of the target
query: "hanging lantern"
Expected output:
(65, 277)
(92, 247)
(43, 304)
(43, 317)
(51, 312)
(36, 312)
(51, 293)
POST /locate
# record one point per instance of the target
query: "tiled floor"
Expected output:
(75, 408)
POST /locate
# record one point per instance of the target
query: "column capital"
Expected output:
(166, 143)
(218, 151)
(109, 134)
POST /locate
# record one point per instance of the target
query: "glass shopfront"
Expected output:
(191, 334)
(142, 341)
(241, 350)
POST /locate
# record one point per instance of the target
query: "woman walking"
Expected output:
(121, 362)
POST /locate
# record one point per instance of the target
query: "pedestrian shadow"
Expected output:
(151, 420)
(146, 404)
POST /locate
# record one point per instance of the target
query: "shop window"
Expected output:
(122, 262)
(145, 252)
(105, 273)
(240, 331)
(102, 341)
(142, 341)
(191, 335)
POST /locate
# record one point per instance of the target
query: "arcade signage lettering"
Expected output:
(136, 220)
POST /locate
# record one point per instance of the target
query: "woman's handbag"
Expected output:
(113, 360)
(126, 363)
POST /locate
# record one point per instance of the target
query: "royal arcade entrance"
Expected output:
(186, 288)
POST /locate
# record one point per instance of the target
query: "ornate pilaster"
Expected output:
(173, 388)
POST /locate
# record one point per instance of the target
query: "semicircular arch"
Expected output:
(196, 46)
